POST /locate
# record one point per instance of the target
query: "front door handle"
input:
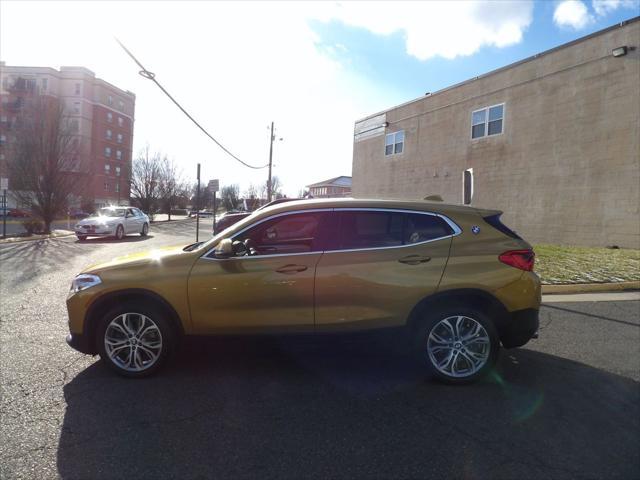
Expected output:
(414, 259)
(289, 269)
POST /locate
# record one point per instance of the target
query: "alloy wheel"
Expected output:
(133, 342)
(458, 346)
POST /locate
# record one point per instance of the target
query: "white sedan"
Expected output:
(113, 222)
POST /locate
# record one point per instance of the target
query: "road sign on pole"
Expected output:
(4, 183)
(214, 185)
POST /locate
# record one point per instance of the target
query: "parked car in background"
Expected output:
(232, 217)
(201, 213)
(454, 278)
(113, 222)
(18, 213)
(78, 214)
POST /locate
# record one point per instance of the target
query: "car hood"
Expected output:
(99, 219)
(158, 255)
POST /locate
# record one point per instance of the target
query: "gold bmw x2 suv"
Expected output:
(455, 278)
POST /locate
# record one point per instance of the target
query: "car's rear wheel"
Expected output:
(134, 341)
(82, 238)
(145, 230)
(119, 232)
(457, 345)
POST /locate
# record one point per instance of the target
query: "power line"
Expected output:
(152, 76)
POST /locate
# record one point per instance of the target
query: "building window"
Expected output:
(117, 171)
(118, 154)
(121, 104)
(109, 117)
(75, 126)
(119, 138)
(110, 100)
(78, 88)
(107, 151)
(109, 135)
(487, 121)
(394, 143)
(107, 169)
(106, 186)
(3, 139)
(45, 84)
(120, 121)
(117, 187)
(76, 107)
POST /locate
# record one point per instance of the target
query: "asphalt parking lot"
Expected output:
(565, 406)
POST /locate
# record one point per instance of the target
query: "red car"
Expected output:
(17, 212)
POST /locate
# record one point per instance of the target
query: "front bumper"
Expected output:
(521, 327)
(79, 342)
(95, 232)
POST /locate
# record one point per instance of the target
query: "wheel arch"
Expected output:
(108, 300)
(472, 297)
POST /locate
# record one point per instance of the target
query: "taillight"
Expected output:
(522, 259)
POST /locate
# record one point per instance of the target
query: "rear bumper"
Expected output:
(79, 342)
(521, 327)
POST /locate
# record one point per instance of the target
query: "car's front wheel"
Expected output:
(133, 340)
(119, 232)
(82, 238)
(145, 230)
(457, 345)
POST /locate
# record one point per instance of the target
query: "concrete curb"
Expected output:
(590, 287)
(33, 238)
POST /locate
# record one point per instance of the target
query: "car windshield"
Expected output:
(112, 212)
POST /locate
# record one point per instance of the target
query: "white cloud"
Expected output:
(436, 28)
(604, 7)
(573, 14)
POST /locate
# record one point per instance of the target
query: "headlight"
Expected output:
(84, 281)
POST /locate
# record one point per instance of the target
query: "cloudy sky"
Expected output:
(313, 68)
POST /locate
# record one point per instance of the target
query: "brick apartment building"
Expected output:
(333, 187)
(101, 114)
(553, 140)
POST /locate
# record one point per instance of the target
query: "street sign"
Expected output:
(4, 184)
(214, 185)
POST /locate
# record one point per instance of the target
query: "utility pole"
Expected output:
(198, 205)
(270, 163)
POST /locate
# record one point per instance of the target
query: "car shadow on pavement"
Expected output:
(347, 407)
(128, 238)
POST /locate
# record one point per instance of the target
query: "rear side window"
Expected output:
(420, 228)
(494, 221)
(366, 229)
(370, 230)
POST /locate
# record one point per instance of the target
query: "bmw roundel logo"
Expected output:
(475, 229)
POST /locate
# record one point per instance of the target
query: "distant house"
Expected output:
(334, 187)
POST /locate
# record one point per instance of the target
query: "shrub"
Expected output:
(32, 226)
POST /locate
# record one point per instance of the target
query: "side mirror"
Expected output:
(239, 248)
(224, 249)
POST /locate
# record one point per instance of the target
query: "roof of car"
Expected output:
(419, 205)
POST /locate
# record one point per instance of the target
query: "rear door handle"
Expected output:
(289, 269)
(414, 259)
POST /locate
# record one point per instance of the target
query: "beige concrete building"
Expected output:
(102, 116)
(553, 140)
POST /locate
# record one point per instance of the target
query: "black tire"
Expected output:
(119, 232)
(145, 230)
(81, 238)
(135, 311)
(427, 356)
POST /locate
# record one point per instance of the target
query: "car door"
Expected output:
(272, 288)
(379, 266)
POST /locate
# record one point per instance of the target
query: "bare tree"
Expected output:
(146, 173)
(230, 196)
(169, 184)
(251, 191)
(43, 162)
(276, 189)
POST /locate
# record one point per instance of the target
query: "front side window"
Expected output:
(289, 234)
(394, 143)
(487, 121)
